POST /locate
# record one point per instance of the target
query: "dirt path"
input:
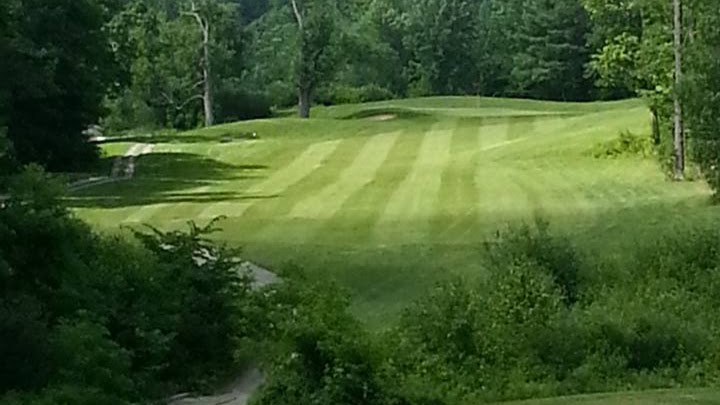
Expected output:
(123, 168)
(238, 393)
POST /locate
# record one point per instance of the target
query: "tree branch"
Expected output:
(186, 102)
(177, 107)
(298, 15)
(194, 13)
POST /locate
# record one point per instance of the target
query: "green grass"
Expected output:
(662, 397)
(387, 208)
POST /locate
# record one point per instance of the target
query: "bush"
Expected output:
(128, 111)
(64, 395)
(85, 355)
(282, 94)
(536, 246)
(235, 104)
(24, 345)
(467, 341)
(321, 354)
(342, 94)
(123, 320)
(206, 298)
(626, 144)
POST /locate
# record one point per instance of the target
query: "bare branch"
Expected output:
(298, 15)
(171, 101)
(189, 100)
(195, 13)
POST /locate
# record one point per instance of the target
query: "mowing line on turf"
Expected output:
(414, 202)
(355, 220)
(311, 158)
(457, 214)
(272, 221)
(362, 171)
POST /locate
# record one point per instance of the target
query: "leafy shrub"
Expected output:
(281, 94)
(321, 354)
(691, 258)
(342, 94)
(85, 355)
(120, 319)
(469, 340)
(537, 246)
(373, 92)
(23, 343)
(233, 103)
(127, 111)
(64, 394)
(207, 294)
(626, 144)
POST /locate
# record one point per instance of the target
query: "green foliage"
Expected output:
(703, 91)
(161, 49)
(440, 37)
(23, 343)
(321, 354)
(341, 94)
(120, 320)
(85, 355)
(316, 53)
(552, 53)
(236, 104)
(626, 144)
(536, 245)
(61, 69)
(208, 294)
(510, 336)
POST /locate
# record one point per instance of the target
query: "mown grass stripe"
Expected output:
(272, 220)
(310, 160)
(362, 171)
(356, 219)
(414, 202)
(457, 214)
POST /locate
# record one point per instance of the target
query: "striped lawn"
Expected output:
(389, 207)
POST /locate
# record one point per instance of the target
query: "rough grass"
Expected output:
(663, 397)
(389, 207)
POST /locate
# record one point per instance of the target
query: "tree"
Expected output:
(701, 89)
(5, 70)
(678, 132)
(441, 36)
(177, 59)
(552, 53)
(207, 93)
(314, 59)
(634, 55)
(62, 69)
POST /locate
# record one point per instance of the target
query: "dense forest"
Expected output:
(88, 318)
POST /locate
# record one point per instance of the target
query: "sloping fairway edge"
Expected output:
(660, 397)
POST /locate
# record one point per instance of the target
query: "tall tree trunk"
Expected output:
(304, 102)
(303, 90)
(207, 86)
(655, 125)
(207, 95)
(679, 131)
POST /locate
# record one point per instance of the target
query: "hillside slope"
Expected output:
(389, 197)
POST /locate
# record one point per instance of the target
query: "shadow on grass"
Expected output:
(172, 178)
(217, 136)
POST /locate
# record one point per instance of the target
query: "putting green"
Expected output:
(388, 207)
